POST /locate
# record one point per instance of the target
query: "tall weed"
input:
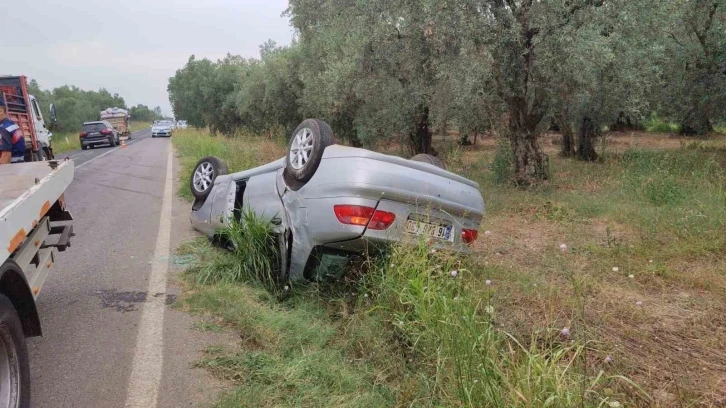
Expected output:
(254, 255)
(503, 163)
(442, 318)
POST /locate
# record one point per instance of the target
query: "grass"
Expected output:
(136, 126)
(638, 285)
(65, 142)
(659, 125)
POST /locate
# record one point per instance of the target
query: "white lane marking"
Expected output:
(99, 156)
(143, 389)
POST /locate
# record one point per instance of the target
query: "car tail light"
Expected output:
(106, 132)
(84, 134)
(469, 235)
(353, 214)
(362, 215)
(381, 220)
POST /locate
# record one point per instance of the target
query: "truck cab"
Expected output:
(24, 110)
(41, 130)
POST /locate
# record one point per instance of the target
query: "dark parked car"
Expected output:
(98, 133)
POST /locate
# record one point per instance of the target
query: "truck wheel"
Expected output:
(306, 151)
(204, 174)
(41, 155)
(14, 364)
(427, 158)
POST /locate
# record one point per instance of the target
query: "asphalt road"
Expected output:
(105, 309)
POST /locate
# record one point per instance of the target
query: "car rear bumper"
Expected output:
(96, 140)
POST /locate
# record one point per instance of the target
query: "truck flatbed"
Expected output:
(27, 191)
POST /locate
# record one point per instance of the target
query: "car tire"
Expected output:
(427, 158)
(83, 146)
(15, 366)
(311, 136)
(111, 142)
(204, 174)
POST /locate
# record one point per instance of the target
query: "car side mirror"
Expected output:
(53, 113)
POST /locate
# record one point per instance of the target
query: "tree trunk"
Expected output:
(420, 137)
(531, 164)
(585, 147)
(623, 123)
(568, 137)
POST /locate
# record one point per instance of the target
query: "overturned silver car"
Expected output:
(324, 198)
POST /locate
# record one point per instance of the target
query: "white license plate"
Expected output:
(430, 230)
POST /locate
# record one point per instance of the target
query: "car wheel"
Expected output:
(306, 151)
(427, 158)
(84, 147)
(111, 142)
(14, 363)
(204, 174)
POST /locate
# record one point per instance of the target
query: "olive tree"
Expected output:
(605, 69)
(375, 65)
(694, 63)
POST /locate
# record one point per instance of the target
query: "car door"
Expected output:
(261, 197)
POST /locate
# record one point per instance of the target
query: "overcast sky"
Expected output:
(131, 47)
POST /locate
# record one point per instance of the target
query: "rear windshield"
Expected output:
(93, 127)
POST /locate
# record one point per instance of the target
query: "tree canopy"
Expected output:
(75, 106)
(405, 70)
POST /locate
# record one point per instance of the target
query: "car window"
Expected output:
(93, 127)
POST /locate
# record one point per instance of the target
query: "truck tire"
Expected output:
(48, 153)
(204, 174)
(14, 363)
(305, 151)
(427, 158)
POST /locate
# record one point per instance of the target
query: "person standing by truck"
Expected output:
(13, 141)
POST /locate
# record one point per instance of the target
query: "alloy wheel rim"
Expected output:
(203, 177)
(301, 148)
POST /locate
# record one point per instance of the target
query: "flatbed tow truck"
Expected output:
(34, 227)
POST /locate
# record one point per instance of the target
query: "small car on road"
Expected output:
(162, 128)
(98, 133)
(328, 199)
